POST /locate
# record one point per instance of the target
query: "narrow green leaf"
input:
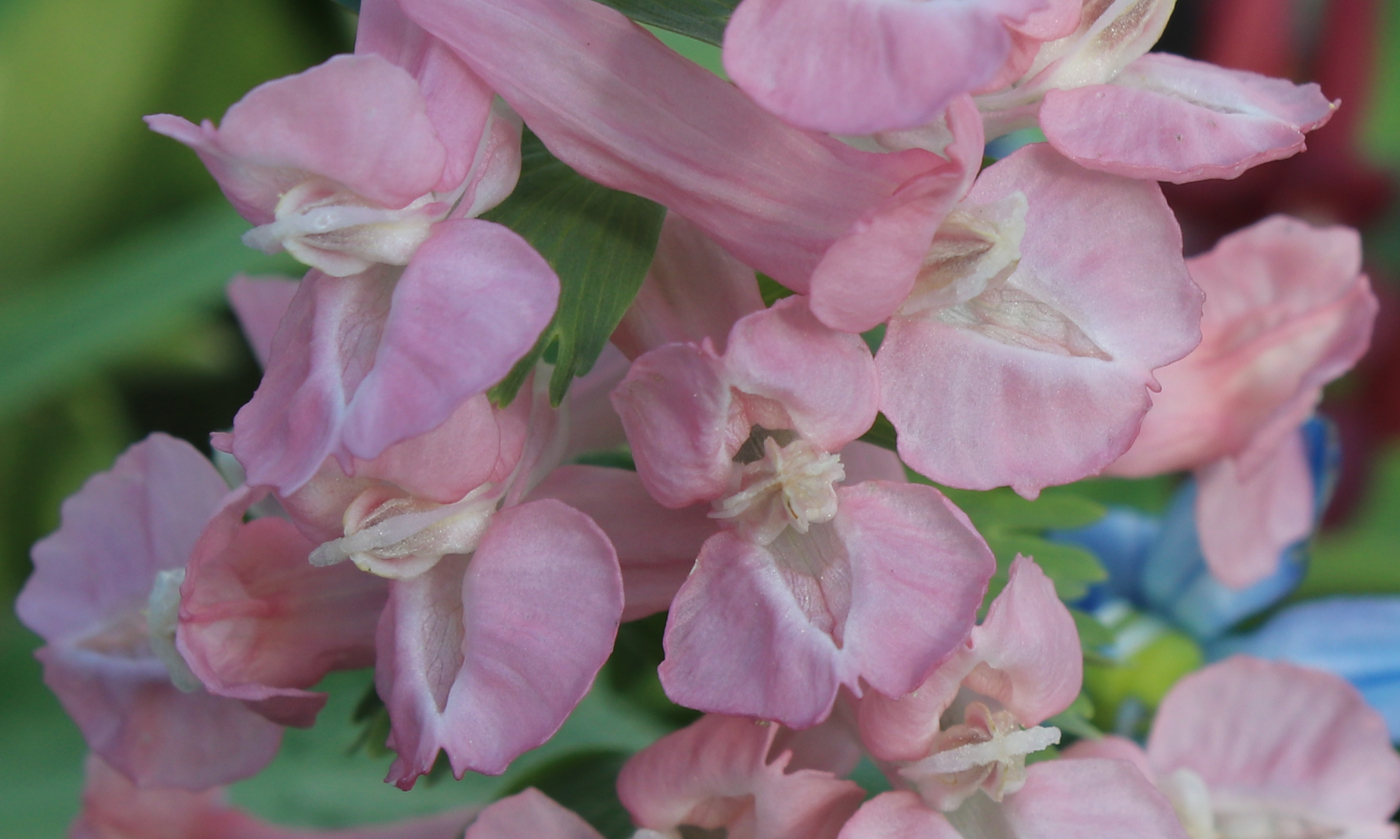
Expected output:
(1093, 635)
(111, 304)
(600, 243)
(1072, 569)
(1055, 508)
(703, 20)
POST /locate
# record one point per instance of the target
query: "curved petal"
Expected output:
(258, 622)
(862, 66)
(157, 736)
(693, 290)
(897, 815)
(260, 303)
(626, 111)
(1107, 799)
(1029, 642)
(676, 410)
(485, 661)
(656, 546)
(529, 813)
(1045, 379)
(1187, 120)
(1111, 747)
(869, 462)
(357, 120)
(824, 380)
(1318, 746)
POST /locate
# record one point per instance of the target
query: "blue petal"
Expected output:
(1121, 540)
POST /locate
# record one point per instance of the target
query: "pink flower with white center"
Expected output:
(863, 66)
(728, 774)
(803, 589)
(105, 594)
(1248, 748)
(1107, 104)
(1024, 353)
(958, 744)
(1287, 310)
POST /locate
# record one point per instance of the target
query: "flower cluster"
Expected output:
(1024, 324)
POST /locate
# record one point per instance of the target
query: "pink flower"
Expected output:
(105, 595)
(727, 773)
(1287, 310)
(1248, 747)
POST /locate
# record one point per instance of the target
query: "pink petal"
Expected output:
(869, 462)
(457, 102)
(675, 406)
(485, 661)
(1029, 642)
(260, 303)
(1112, 747)
(352, 373)
(862, 66)
(656, 546)
(897, 815)
(529, 814)
(1180, 120)
(1106, 799)
(1247, 518)
(693, 290)
(1061, 392)
(625, 110)
(868, 273)
(356, 120)
(1280, 733)
(1287, 310)
(593, 424)
(824, 380)
(258, 622)
(715, 774)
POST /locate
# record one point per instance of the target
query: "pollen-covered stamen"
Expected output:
(986, 751)
(341, 233)
(977, 247)
(401, 537)
(791, 485)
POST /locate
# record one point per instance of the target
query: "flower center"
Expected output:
(791, 485)
(341, 233)
(162, 618)
(986, 751)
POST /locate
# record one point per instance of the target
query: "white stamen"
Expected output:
(1003, 748)
(162, 618)
(402, 537)
(792, 485)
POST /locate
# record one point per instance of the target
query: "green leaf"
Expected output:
(882, 433)
(1351, 559)
(1055, 508)
(703, 20)
(1093, 635)
(585, 782)
(111, 304)
(352, 5)
(600, 243)
(1076, 719)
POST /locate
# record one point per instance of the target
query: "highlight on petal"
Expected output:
(1043, 377)
(862, 66)
(485, 657)
(1188, 120)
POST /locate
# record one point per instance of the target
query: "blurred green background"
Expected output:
(116, 246)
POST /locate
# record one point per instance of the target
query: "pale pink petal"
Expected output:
(1106, 799)
(472, 302)
(738, 642)
(656, 546)
(367, 361)
(258, 622)
(904, 727)
(142, 516)
(693, 290)
(593, 424)
(260, 303)
(1030, 648)
(675, 406)
(1280, 733)
(824, 380)
(1111, 747)
(457, 102)
(869, 462)
(1287, 310)
(918, 574)
(865, 275)
(861, 66)
(131, 715)
(531, 814)
(623, 109)
(484, 658)
(1049, 382)
(356, 120)
(897, 815)
(715, 774)
(1180, 120)
(1247, 518)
